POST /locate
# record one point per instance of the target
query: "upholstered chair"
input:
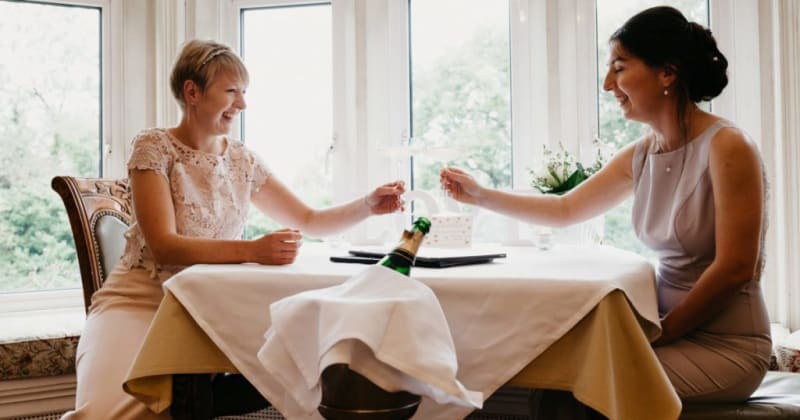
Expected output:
(99, 213)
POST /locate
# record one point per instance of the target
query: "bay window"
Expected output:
(347, 94)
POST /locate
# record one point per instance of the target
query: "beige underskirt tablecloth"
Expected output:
(605, 360)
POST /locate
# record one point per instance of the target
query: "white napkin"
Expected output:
(388, 327)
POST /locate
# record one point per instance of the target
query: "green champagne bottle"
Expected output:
(346, 394)
(402, 257)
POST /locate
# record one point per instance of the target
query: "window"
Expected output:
(50, 124)
(613, 128)
(482, 84)
(288, 123)
(461, 95)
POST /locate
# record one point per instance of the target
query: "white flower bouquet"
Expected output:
(561, 171)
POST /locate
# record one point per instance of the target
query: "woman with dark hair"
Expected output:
(699, 202)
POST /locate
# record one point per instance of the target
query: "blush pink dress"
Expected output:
(726, 358)
(211, 196)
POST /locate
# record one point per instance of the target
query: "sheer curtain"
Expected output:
(780, 20)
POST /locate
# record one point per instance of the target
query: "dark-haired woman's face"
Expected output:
(636, 86)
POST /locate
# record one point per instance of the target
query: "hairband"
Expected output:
(212, 55)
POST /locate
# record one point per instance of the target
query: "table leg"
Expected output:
(549, 404)
(205, 396)
(191, 397)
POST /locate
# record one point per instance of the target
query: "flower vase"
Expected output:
(586, 233)
(589, 232)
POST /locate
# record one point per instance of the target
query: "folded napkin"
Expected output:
(388, 327)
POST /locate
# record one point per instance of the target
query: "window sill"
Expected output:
(39, 344)
(41, 315)
(41, 324)
(20, 302)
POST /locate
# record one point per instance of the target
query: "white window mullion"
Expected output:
(377, 115)
(399, 105)
(345, 98)
(528, 86)
(170, 35)
(113, 79)
(577, 76)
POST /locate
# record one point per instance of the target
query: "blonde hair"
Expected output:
(201, 61)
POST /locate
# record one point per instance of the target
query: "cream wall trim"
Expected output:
(208, 19)
(786, 185)
(137, 74)
(736, 27)
(25, 397)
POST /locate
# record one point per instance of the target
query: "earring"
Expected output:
(666, 92)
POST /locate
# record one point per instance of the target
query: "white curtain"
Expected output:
(780, 21)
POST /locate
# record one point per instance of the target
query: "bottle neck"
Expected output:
(402, 257)
(410, 242)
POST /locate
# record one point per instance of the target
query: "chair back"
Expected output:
(99, 213)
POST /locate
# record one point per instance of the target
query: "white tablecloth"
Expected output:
(501, 315)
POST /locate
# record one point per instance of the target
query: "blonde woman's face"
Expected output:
(221, 103)
(635, 85)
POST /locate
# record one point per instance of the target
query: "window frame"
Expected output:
(111, 146)
(366, 119)
(554, 95)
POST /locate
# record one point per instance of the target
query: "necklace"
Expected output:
(659, 151)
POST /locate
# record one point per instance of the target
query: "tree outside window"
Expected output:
(49, 125)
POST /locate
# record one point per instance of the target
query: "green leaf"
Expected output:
(574, 179)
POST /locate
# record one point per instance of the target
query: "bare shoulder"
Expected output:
(730, 146)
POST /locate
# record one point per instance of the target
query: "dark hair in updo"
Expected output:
(662, 37)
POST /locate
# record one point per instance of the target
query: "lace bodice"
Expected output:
(210, 193)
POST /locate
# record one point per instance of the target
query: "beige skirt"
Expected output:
(119, 317)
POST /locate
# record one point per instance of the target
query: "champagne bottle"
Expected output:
(346, 394)
(402, 257)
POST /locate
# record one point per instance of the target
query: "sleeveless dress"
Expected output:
(726, 358)
(211, 195)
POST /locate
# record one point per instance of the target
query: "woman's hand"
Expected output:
(460, 185)
(668, 333)
(386, 198)
(277, 248)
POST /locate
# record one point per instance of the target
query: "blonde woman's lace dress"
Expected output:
(210, 194)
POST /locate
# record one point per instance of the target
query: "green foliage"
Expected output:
(49, 125)
(463, 102)
(36, 250)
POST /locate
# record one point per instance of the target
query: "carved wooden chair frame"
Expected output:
(87, 201)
